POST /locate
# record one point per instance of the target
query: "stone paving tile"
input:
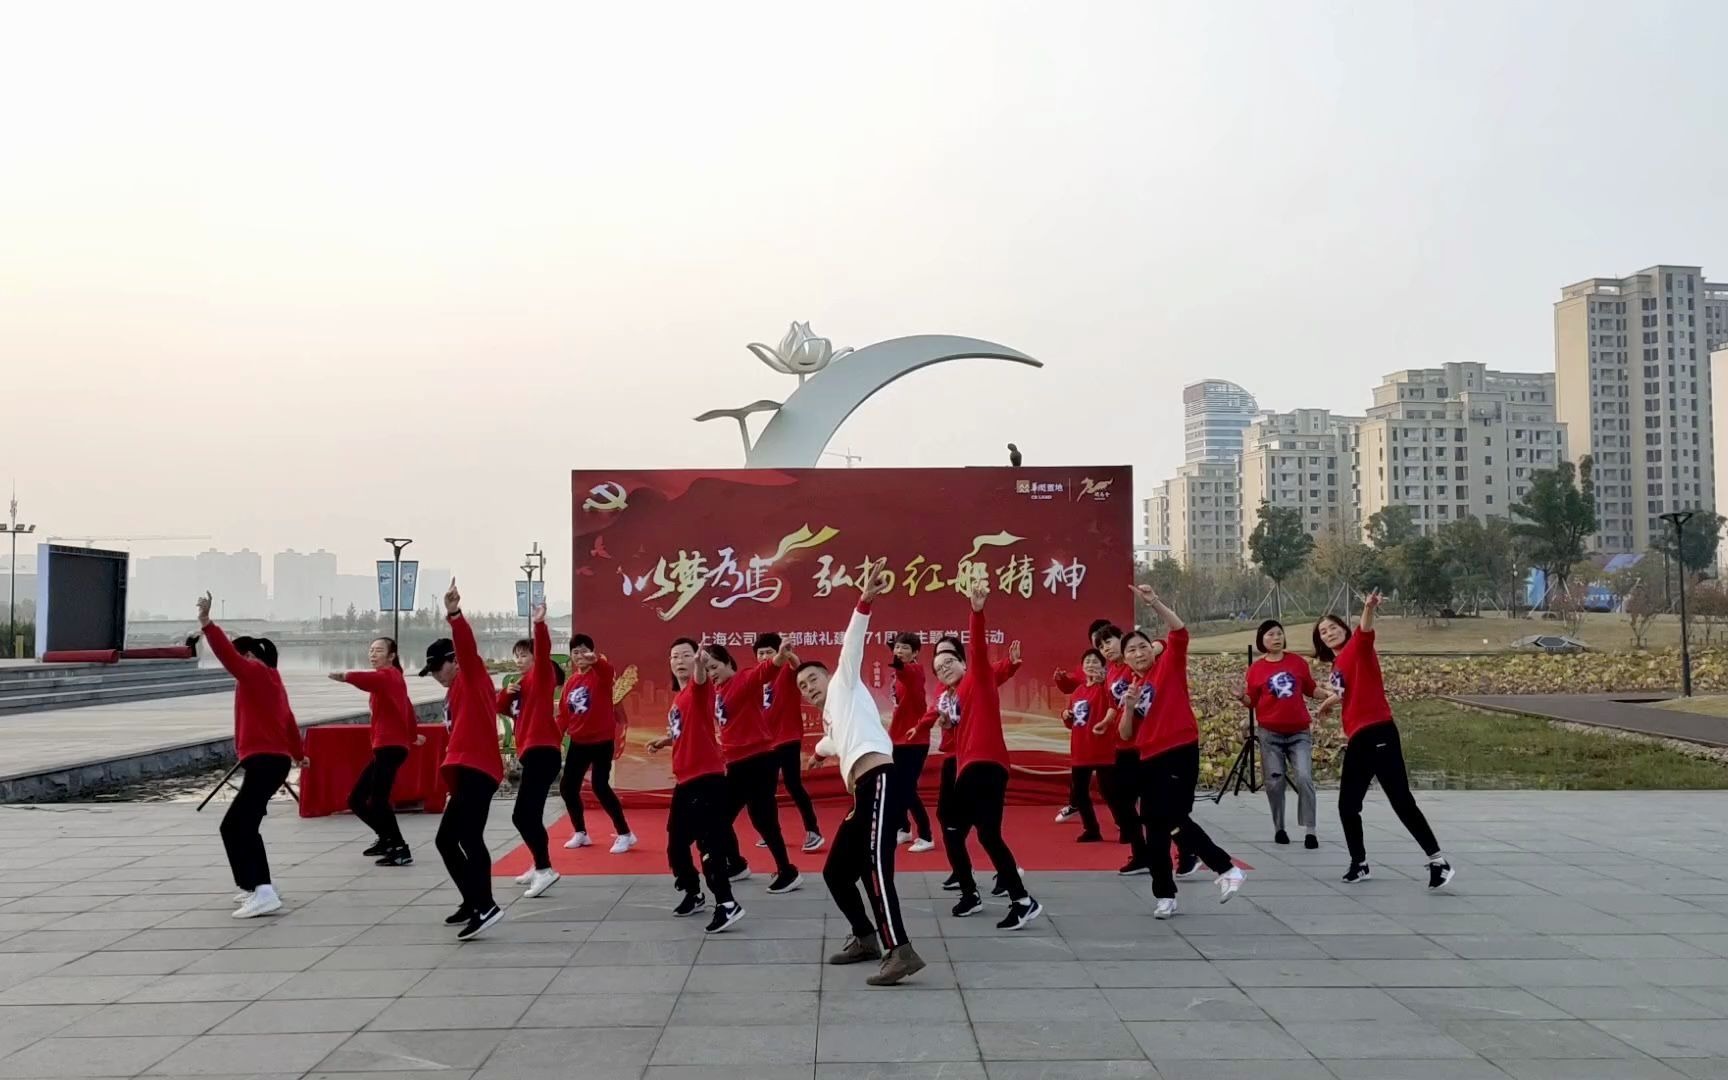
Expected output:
(1585, 925)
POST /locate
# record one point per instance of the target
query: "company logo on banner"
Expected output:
(728, 555)
(386, 585)
(524, 607)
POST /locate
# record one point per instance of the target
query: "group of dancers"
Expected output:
(735, 734)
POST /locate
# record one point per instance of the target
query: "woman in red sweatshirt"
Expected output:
(1277, 688)
(1120, 784)
(752, 769)
(473, 768)
(1159, 718)
(587, 717)
(981, 775)
(1372, 750)
(909, 729)
(267, 745)
(392, 733)
(1089, 719)
(530, 703)
(784, 712)
(700, 799)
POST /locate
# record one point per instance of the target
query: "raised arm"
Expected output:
(874, 584)
(542, 647)
(1370, 605)
(1171, 620)
(468, 660)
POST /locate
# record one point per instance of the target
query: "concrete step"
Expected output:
(76, 697)
(12, 682)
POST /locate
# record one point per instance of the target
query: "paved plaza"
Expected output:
(1586, 936)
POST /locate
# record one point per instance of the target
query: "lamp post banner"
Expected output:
(722, 556)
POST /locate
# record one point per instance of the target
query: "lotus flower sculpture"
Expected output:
(799, 353)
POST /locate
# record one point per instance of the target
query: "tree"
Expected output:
(1703, 531)
(1559, 514)
(351, 618)
(1423, 582)
(1640, 599)
(1165, 576)
(1709, 605)
(1279, 546)
(1393, 527)
(1480, 559)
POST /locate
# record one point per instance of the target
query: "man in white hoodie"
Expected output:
(863, 848)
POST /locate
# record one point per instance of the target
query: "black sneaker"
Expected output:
(1358, 872)
(969, 903)
(785, 881)
(739, 872)
(1440, 874)
(953, 884)
(724, 916)
(997, 888)
(461, 915)
(690, 905)
(397, 856)
(1311, 842)
(1189, 866)
(378, 848)
(480, 923)
(1133, 869)
(1281, 837)
(1021, 912)
(1089, 837)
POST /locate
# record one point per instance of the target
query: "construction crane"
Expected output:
(87, 541)
(850, 457)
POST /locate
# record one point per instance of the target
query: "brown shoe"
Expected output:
(857, 950)
(903, 962)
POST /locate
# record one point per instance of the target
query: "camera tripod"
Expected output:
(1245, 771)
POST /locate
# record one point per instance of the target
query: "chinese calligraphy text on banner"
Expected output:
(721, 556)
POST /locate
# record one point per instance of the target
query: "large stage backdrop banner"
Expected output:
(722, 556)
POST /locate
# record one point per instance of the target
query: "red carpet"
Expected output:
(1039, 843)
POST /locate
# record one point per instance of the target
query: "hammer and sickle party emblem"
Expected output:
(605, 498)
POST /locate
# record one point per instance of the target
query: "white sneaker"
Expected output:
(1065, 813)
(539, 881)
(578, 840)
(922, 845)
(903, 837)
(262, 902)
(242, 896)
(525, 876)
(761, 843)
(624, 843)
(1230, 883)
(813, 841)
(1164, 909)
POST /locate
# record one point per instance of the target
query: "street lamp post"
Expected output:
(534, 560)
(14, 530)
(396, 543)
(1678, 519)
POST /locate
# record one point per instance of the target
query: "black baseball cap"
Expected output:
(439, 653)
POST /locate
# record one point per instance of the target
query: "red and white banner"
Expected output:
(722, 556)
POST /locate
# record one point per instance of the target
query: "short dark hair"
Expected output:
(907, 637)
(808, 664)
(1097, 625)
(719, 653)
(695, 648)
(1092, 654)
(1321, 651)
(523, 645)
(1107, 632)
(770, 640)
(950, 644)
(1260, 634)
(581, 641)
(1135, 633)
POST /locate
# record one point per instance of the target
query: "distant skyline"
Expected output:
(384, 270)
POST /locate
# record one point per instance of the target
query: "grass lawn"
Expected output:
(1448, 746)
(1706, 705)
(1489, 633)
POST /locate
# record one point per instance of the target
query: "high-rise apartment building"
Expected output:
(1715, 307)
(1631, 356)
(1306, 460)
(1200, 514)
(1155, 524)
(301, 583)
(1215, 414)
(1457, 441)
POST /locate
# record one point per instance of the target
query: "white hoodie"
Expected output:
(851, 720)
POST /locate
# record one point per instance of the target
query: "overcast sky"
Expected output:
(307, 275)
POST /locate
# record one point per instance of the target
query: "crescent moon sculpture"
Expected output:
(806, 421)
